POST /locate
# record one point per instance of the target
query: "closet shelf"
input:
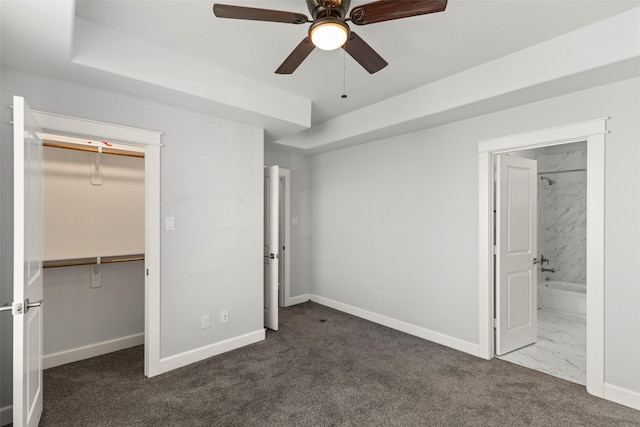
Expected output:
(92, 260)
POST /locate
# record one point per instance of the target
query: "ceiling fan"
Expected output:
(329, 29)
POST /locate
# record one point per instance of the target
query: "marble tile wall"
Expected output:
(562, 214)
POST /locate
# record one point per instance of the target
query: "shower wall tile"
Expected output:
(562, 215)
(542, 247)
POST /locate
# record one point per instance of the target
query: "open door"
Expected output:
(27, 267)
(516, 240)
(271, 235)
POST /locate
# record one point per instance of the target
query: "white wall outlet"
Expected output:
(376, 295)
(205, 321)
(224, 316)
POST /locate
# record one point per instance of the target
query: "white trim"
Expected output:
(593, 132)
(92, 350)
(285, 226)
(152, 141)
(485, 269)
(298, 299)
(74, 126)
(541, 138)
(6, 415)
(595, 263)
(152, 260)
(418, 331)
(622, 396)
(188, 357)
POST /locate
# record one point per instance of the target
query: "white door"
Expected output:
(27, 267)
(271, 208)
(516, 273)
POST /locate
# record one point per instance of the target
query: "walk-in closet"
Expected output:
(93, 248)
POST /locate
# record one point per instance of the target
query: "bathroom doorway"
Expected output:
(593, 132)
(561, 288)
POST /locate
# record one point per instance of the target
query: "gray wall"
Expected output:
(211, 181)
(77, 315)
(400, 215)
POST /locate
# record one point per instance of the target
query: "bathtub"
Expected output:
(563, 296)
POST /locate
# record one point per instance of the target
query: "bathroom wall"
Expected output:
(562, 212)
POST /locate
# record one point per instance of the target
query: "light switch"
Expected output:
(170, 223)
(294, 220)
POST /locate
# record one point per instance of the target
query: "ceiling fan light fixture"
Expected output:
(329, 33)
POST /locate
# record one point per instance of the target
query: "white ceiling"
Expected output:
(420, 50)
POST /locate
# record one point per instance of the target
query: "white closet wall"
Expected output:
(84, 220)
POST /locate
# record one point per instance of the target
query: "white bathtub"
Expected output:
(563, 296)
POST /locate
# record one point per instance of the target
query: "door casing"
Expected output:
(152, 142)
(593, 132)
(285, 237)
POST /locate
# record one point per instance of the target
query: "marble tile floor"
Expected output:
(561, 348)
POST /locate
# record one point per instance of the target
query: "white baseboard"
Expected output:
(98, 349)
(622, 396)
(6, 415)
(297, 300)
(399, 325)
(188, 357)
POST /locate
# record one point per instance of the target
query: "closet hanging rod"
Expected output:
(565, 171)
(92, 260)
(92, 149)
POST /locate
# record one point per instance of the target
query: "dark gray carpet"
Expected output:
(323, 368)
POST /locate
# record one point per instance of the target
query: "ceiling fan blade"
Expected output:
(296, 57)
(386, 10)
(364, 54)
(254, 14)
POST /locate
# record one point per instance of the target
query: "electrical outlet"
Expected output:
(224, 316)
(205, 321)
(376, 295)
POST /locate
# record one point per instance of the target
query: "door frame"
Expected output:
(152, 142)
(285, 236)
(271, 245)
(593, 132)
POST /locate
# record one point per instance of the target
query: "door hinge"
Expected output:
(495, 249)
(147, 271)
(495, 323)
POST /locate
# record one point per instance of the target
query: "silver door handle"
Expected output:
(6, 307)
(29, 305)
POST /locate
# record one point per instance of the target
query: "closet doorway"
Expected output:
(150, 142)
(29, 129)
(94, 229)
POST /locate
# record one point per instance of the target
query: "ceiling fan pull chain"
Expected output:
(344, 73)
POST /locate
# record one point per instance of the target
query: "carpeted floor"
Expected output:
(323, 368)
